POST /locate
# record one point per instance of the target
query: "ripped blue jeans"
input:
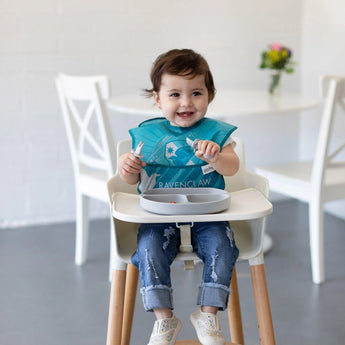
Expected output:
(157, 247)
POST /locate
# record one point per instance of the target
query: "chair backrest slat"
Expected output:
(88, 128)
(336, 151)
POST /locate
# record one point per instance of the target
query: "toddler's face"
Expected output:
(183, 101)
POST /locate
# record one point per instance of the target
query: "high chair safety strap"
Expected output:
(186, 244)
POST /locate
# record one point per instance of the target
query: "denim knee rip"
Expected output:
(213, 294)
(230, 235)
(167, 233)
(159, 296)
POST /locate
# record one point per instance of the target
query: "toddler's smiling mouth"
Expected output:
(185, 113)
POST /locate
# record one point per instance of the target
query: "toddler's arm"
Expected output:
(224, 160)
(129, 168)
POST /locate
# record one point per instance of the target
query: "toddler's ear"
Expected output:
(156, 98)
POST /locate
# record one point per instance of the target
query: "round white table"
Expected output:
(226, 104)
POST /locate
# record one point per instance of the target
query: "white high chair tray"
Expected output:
(185, 200)
(245, 204)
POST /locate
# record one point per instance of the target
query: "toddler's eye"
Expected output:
(175, 94)
(196, 93)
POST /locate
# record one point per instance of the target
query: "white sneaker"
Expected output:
(207, 328)
(165, 331)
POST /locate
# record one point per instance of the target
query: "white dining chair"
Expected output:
(247, 212)
(91, 145)
(320, 180)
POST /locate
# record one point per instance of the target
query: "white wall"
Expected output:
(40, 38)
(323, 52)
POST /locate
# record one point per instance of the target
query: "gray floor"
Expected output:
(45, 299)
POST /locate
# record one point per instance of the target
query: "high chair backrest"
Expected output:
(248, 234)
(244, 178)
(86, 121)
(332, 88)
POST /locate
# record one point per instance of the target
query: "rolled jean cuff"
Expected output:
(214, 295)
(158, 296)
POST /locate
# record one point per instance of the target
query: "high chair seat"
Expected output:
(247, 211)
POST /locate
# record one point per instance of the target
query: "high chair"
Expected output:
(248, 208)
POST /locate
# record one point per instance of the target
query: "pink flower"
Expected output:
(276, 46)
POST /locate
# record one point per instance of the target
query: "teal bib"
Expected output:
(170, 160)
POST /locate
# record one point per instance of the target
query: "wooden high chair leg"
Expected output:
(234, 312)
(117, 294)
(130, 295)
(262, 304)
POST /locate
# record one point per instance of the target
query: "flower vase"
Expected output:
(275, 83)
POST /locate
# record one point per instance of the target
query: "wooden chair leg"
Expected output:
(234, 312)
(262, 304)
(130, 295)
(117, 294)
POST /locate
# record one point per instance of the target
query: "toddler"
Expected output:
(183, 149)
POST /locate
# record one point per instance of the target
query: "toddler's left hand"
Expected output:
(209, 149)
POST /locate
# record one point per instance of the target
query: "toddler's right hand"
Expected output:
(129, 164)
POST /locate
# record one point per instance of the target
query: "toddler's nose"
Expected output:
(186, 101)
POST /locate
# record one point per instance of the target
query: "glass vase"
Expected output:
(275, 83)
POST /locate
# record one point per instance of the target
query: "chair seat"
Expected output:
(293, 178)
(93, 183)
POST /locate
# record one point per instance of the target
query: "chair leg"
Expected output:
(316, 238)
(262, 304)
(116, 304)
(129, 304)
(82, 228)
(234, 312)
